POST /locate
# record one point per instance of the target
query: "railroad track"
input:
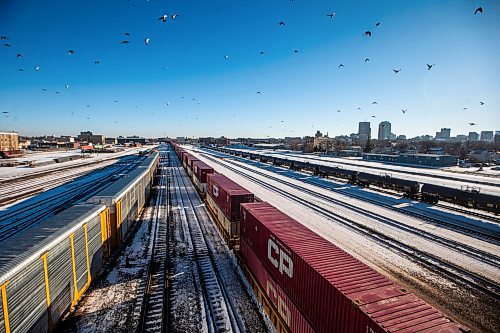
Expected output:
(18, 218)
(29, 188)
(451, 224)
(479, 182)
(219, 308)
(153, 317)
(60, 169)
(428, 260)
(480, 255)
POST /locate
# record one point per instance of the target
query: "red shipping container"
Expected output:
(227, 195)
(334, 291)
(190, 159)
(201, 169)
(286, 309)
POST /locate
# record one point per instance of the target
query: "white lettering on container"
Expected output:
(284, 263)
(279, 302)
(215, 191)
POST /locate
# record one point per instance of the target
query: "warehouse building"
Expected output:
(131, 140)
(414, 159)
(96, 139)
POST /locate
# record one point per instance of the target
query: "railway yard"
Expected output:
(172, 241)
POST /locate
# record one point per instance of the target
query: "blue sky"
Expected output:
(300, 93)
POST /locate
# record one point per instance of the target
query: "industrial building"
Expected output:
(131, 140)
(96, 139)
(414, 159)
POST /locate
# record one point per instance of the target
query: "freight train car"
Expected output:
(45, 269)
(126, 197)
(284, 314)
(224, 197)
(467, 196)
(200, 172)
(409, 187)
(334, 291)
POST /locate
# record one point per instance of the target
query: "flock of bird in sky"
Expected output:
(166, 18)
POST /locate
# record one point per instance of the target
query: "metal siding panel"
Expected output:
(80, 259)
(26, 298)
(289, 312)
(60, 279)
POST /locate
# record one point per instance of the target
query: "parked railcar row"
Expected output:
(304, 282)
(429, 193)
(46, 269)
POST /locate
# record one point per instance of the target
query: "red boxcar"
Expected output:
(334, 291)
(283, 305)
(200, 171)
(224, 198)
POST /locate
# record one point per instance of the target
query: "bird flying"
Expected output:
(127, 34)
(478, 10)
(330, 15)
(20, 69)
(71, 52)
(472, 124)
(374, 103)
(377, 24)
(366, 60)
(282, 23)
(37, 68)
(296, 51)
(4, 38)
(404, 110)
(146, 41)
(341, 65)
(396, 71)
(97, 62)
(368, 33)
(482, 103)
(125, 42)
(163, 18)
(429, 67)
(6, 45)
(262, 52)
(19, 55)
(174, 16)
(226, 57)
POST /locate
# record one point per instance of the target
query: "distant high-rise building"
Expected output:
(497, 139)
(487, 136)
(318, 134)
(384, 130)
(364, 132)
(473, 136)
(444, 134)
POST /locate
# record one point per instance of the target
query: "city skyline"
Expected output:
(183, 84)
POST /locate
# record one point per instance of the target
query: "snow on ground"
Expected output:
(108, 305)
(454, 256)
(13, 172)
(463, 305)
(428, 175)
